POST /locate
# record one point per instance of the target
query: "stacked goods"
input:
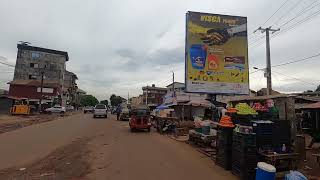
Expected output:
(245, 109)
(259, 107)
(244, 157)
(232, 110)
(264, 134)
(224, 147)
(226, 121)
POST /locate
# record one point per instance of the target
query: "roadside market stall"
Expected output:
(264, 130)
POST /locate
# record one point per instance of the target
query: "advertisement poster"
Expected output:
(216, 54)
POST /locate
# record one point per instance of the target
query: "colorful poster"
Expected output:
(216, 54)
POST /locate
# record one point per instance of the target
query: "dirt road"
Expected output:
(80, 147)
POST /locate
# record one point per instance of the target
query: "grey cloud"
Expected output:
(109, 41)
(126, 53)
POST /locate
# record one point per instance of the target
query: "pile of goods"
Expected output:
(232, 110)
(259, 107)
(226, 121)
(202, 126)
(245, 109)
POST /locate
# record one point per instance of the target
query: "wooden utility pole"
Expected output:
(268, 59)
(41, 88)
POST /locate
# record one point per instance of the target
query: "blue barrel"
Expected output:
(265, 171)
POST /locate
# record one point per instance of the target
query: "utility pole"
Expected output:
(41, 88)
(173, 89)
(268, 68)
(147, 96)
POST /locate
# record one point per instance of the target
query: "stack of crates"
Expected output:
(244, 155)
(264, 134)
(224, 147)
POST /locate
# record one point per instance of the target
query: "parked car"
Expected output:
(140, 118)
(88, 109)
(56, 109)
(100, 110)
(69, 108)
(125, 114)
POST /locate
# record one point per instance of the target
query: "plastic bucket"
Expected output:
(265, 171)
(198, 55)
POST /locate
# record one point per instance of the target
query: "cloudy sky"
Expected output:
(119, 46)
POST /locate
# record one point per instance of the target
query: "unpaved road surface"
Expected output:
(80, 147)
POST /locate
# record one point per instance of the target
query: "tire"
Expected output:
(94, 116)
(132, 129)
(106, 116)
(149, 129)
(84, 112)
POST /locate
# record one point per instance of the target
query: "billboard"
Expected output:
(216, 59)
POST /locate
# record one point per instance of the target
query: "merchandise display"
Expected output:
(245, 109)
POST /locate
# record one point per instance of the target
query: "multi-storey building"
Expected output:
(32, 64)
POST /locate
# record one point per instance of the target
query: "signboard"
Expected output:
(216, 54)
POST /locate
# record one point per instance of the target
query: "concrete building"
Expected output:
(70, 88)
(152, 95)
(178, 87)
(136, 101)
(31, 62)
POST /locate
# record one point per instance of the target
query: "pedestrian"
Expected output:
(118, 111)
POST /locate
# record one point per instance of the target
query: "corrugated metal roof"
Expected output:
(312, 106)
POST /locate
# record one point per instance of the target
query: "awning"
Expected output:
(162, 106)
(311, 106)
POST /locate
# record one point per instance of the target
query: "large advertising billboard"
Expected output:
(216, 54)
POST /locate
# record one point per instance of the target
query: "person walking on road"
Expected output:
(118, 111)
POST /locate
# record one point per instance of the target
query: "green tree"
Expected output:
(88, 100)
(115, 100)
(105, 102)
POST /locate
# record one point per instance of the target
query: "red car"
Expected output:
(140, 119)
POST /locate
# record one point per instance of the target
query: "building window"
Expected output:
(45, 90)
(34, 65)
(32, 77)
(35, 55)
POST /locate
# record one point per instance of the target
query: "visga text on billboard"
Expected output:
(217, 19)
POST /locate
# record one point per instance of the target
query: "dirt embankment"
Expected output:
(11, 123)
(68, 162)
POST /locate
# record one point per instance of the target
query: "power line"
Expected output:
(296, 78)
(287, 12)
(299, 60)
(10, 65)
(294, 25)
(275, 12)
(303, 11)
(302, 21)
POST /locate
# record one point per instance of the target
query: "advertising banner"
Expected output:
(216, 54)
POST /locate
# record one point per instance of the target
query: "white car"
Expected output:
(70, 108)
(100, 110)
(56, 109)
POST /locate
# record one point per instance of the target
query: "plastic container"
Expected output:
(199, 130)
(198, 55)
(265, 171)
(206, 130)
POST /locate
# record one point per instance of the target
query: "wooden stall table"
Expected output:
(275, 159)
(200, 139)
